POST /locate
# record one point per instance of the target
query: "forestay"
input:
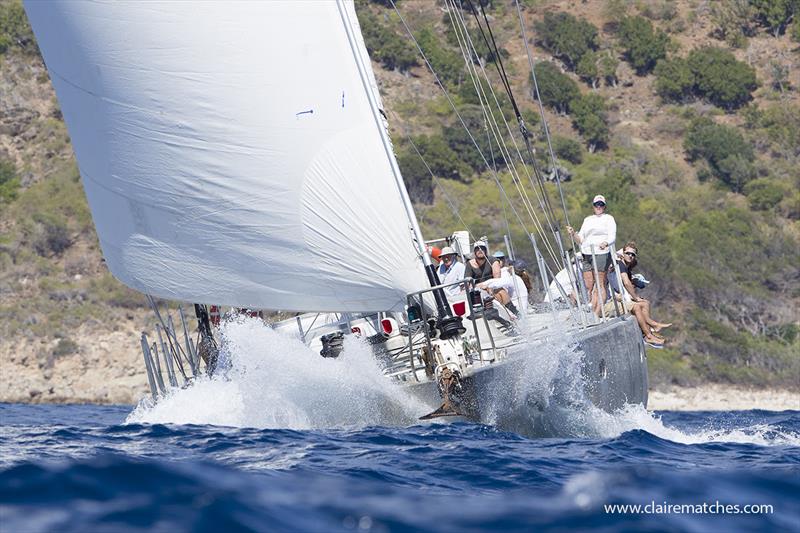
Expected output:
(230, 152)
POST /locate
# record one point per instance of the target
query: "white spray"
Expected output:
(275, 381)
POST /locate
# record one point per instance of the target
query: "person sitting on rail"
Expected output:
(631, 302)
(597, 233)
(481, 267)
(508, 288)
(450, 271)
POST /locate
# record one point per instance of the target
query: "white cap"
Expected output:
(447, 250)
(479, 243)
(599, 198)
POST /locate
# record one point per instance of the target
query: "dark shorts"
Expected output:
(603, 262)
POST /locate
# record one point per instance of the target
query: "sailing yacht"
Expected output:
(238, 153)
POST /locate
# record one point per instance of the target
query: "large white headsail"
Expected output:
(230, 152)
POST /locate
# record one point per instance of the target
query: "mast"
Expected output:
(449, 325)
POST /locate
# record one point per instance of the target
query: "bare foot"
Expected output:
(661, 326)
(653, 340)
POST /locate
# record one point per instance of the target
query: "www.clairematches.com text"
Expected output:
(687, 508)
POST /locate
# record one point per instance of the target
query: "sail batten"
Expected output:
(230, 152)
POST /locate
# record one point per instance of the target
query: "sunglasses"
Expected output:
(631, 254)
(599, 204)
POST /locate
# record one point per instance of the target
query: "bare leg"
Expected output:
(657, 326)
(502, 296)
(601, 284)
(638, 312)
(588, 280)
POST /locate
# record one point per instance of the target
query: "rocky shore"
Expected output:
(102, 368)
(108, 369)
(713, 397)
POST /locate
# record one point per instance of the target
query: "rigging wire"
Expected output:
(546, 205)
(538, 98)
(446, 195)
(455, 110)
(489, 113)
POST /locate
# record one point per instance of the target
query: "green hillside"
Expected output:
(684, 114)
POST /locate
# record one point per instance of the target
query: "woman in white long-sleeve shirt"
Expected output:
(598, 232)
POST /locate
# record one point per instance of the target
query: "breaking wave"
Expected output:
(276, 381)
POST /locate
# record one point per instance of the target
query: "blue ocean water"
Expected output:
(83, 468)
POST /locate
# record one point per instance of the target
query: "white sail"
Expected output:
(230, 151)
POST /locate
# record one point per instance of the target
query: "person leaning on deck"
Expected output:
(481, 267)
(597, 232)
(450, 271)
(630, 301)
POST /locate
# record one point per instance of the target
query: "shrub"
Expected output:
(643, 45)
(65, 347)
(568, 149)
(469, 95)
(721, 78)
(566, 37)
(729, 155)
(659, 9)
(674, 80)
(52, 234)
(107, 290)
(556, 89)
(794, 31)
(448, 65)
(782, 126)
(733, 21)
(15, 31)
(482, 50)
(384, 45)
(589, 116)
(9, 182)
(763, 194)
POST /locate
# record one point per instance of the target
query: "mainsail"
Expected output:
(232, 152)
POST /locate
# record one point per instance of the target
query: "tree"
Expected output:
(416, 176)
(589, 117)
(776, 14)
(643, 46)
(568, 149)
(728, 154)
(721, 78)
(384, 45)
(460, 143)
(442, 160)
(566, 37)
(674, 80)
(556, 89)
(607, 66)
(587, 69)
